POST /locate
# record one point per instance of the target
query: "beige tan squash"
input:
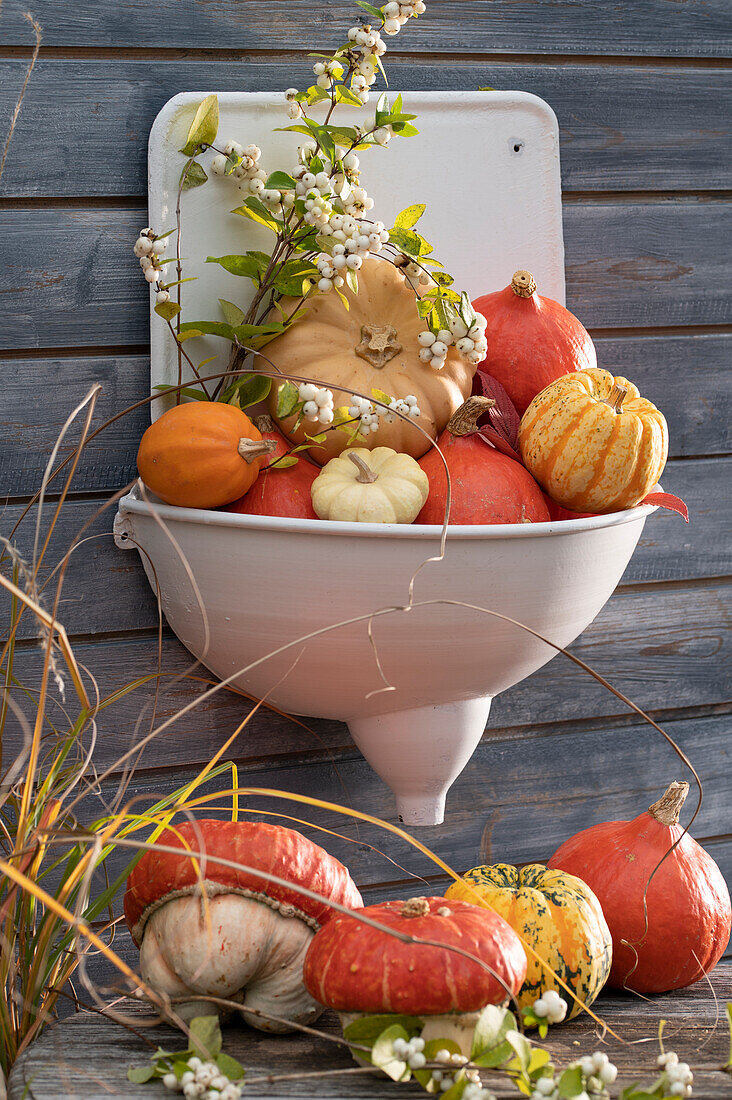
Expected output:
(372, 345)
(378, 486)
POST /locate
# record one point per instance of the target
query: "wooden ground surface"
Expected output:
(642, 94)
(87, 1057)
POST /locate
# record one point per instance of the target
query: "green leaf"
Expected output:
(375, 12)
(728, 1067)
(193, 175)
(405, 240)
(404, 129)
(489, 1047)
(167, 310)
(381, 396)
(283, 463)
(231, 312)
(140, 1074)
(345, 95)
(383, 1056)
(230, 1067)
(571, 1083)
(290, 277)
(539, 1059)
(204, 127)
(280, 181)
(341, 295)
(352, 280)
(252, 389)
(288, 400)
(205, 1036)
(410, 216)
(249, 265)
(424, 307)
(207, 328)
(256, 211)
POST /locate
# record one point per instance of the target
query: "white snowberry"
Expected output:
(218, 165)
(438, 348)
(171, 1082)
(143, 246)
(540, 1008)
(324, 285)
(425, 354)
(153, 274)
(162, 297)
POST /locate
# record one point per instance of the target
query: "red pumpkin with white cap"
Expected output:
(208, 928)
(357, 969)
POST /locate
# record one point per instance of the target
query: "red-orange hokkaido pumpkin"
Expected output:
(279, 492)
(487, 486)
(201, 454)
(688, 902)
(531, 340)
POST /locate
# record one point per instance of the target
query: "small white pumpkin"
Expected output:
(362, 486)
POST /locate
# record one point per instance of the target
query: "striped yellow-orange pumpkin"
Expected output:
(554, 913)
(593, 442)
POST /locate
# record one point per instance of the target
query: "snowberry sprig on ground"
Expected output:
(551, 1007)
(596, 1072)
(679, 1077)
(203, 1081)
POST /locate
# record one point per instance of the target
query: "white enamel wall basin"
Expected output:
(266, 582)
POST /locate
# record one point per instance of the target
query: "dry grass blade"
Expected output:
(38, 32)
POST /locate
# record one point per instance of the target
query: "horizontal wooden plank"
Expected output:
(628, 265)
(696, 28)
(620, 127)
(39, 394)
(699, 416)
(105, 590)
(665, 648)
(88, 1056)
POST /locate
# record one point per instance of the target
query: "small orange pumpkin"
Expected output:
(201, 454)
(593, 443)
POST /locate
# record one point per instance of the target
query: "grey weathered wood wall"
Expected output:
(643, 96)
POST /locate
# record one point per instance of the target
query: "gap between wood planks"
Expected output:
(570, 197)
(188, 53)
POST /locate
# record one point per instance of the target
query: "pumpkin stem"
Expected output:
(415, 907)
(618, 394)
(251, 449)
(378, 345)
(264, 424)
(465, 420)
(523, 284)
(366, 475)
(668, 807)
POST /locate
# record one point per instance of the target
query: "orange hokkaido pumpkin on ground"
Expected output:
(593, 442)
(201, 454)
(372, 345)
(487, 486)
(531, 340)
(279, 491)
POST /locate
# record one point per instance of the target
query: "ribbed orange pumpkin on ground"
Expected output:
(247, 940)
(279, 492)
(487, 486)
(201, 454)
(531, 340)
(372, 345)
(593, 442)
(688, 903)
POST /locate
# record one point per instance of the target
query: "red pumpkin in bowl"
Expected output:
(687, 900)
(487, 486)
(531, 340)
(279, 491)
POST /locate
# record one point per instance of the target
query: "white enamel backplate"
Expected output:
(485, 163)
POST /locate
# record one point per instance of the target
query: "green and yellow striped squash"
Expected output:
(554, 913)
